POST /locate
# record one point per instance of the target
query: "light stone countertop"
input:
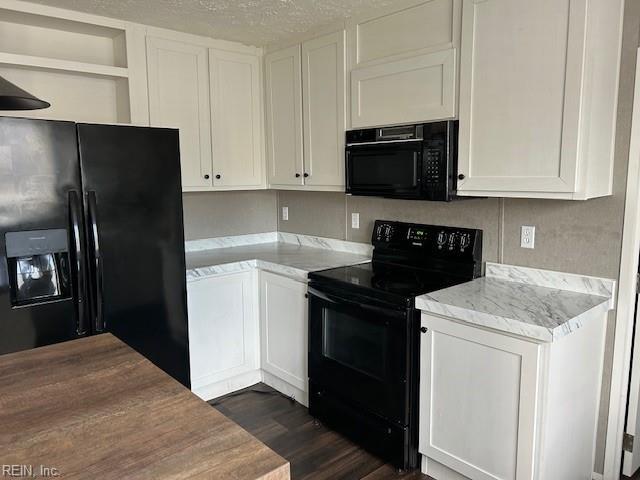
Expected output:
(536, 304)
(293, 256)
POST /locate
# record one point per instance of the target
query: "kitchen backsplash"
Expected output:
(220, 214)
(567, 233)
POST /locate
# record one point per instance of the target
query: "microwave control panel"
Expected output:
(434, 168)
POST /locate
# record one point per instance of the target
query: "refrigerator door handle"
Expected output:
(99, 325)
(78, 275)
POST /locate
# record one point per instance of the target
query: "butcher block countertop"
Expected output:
(95, 408)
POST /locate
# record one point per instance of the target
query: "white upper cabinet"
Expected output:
(403, 64)
(538, 94)
(179, 98)
(323, 87)
(215, 98)
(306, 147)
(236, 119)
(284, 117)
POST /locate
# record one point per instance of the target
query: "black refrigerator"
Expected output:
(91, 238)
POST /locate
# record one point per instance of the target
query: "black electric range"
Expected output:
(364, 333)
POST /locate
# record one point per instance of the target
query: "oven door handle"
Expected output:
(336, 300)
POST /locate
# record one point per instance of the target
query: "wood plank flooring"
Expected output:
(315, 452)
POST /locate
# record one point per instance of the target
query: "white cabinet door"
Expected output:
(478, 396)
(284, 117)
(284, 329)
(397, 31)
(323, 87)
(179, 98)
(403, 63)
(537, 112)
(236, 123)
(415, 89)
(223, 328)
(516, 124)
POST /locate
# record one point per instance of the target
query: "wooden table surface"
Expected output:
(95, 408)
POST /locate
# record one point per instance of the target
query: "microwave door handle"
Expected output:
(347, 171)
(77, 263)
(389, 312)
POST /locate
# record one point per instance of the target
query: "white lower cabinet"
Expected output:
(245, 328)
(224, 342)
(497, 407)
(284, 334)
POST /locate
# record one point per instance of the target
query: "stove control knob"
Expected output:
(441, 240)
(465, 241)
(388, 232)
(452, 241)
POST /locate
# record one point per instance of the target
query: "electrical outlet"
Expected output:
(355, 220)
(285, 213)
(527, 236)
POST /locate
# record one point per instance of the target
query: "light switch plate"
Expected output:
(285, 213)
(528, 236)
(355, 220)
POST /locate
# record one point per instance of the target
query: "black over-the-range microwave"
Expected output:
(410, 161)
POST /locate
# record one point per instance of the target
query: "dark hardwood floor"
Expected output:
(314, 451)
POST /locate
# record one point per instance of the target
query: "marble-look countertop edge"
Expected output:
(510, 325)
(215, 243)
(201, 273)
(324, 243)
(482, 319)
(585, 284)
(361, 250)
(577, 322)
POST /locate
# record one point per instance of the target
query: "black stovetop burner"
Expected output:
(393, 283)
(409, 260)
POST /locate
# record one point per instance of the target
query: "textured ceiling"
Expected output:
(255, 22)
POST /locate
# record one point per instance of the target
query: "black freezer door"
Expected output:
(40, 199)
(133, 204)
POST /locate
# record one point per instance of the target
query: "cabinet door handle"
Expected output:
(218, 177)
(206, 177)
(424, 329)
(305, 175)
(297, 175)
(461, 176)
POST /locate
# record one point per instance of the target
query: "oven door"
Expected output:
(359, 351)
(390, 169)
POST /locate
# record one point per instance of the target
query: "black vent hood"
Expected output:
(13, 97)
